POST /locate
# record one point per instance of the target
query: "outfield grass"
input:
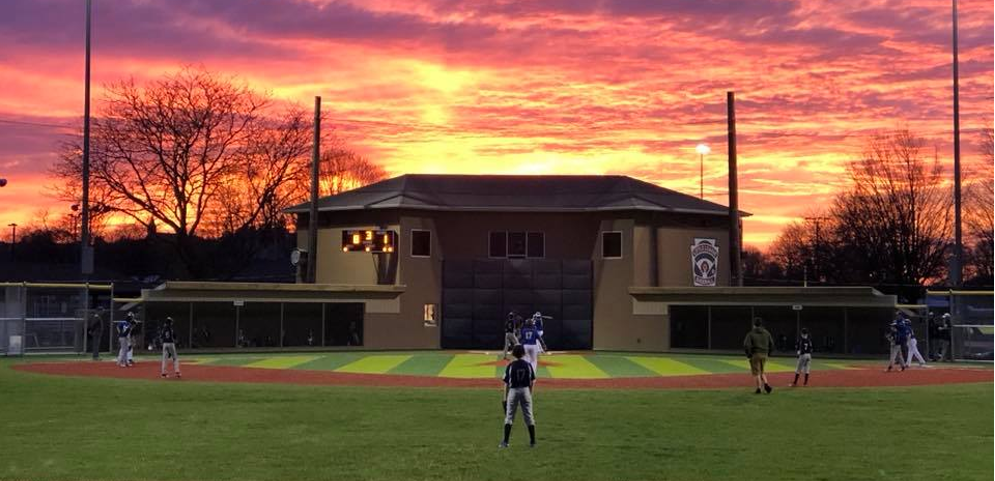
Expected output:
(55, 428)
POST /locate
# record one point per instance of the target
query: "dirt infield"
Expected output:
(857, 377)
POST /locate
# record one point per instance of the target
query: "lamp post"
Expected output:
(701, 149)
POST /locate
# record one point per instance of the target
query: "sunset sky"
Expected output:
(532, 87)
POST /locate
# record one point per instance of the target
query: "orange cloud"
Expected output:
(555, 86)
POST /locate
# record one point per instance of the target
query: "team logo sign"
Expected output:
(704, 261)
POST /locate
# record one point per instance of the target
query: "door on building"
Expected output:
(478, 295)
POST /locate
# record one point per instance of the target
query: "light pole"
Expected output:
(86, 254)
(13, 239)
(702, 149)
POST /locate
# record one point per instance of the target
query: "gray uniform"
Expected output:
(519, 376)
(168, 338)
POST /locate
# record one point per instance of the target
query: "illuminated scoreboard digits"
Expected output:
(377, 241)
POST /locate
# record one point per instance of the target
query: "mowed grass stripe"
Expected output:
(620, 366)
(470, 366)
(331, 362)
(227, 361)
(423, 365)
(770, 366)
(572, 366)
(282, 362)
(714, 365)
(667, 367)
(374, 364)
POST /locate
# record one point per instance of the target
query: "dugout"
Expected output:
(219, 316)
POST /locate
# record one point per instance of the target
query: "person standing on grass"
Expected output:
(944, 338)
(758, 345)
(913, 346)
(804, 350)
(124, 328)
(530, 343)
(96, 330)
(519, 383)
(510, 339)
(168, 338)
(896, 339)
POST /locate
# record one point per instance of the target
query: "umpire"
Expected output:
(95, 330)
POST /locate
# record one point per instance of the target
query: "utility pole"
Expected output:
(734, 234)
(312, 231)
(13, 239)
(957, 269)
(86, 253)
(817, 259)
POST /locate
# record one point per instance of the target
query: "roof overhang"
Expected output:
(795, 296)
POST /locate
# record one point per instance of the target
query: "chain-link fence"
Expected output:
(37, 317)
(970, 332)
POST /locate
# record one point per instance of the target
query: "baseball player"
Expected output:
(537, 319)
(913, 346)
(804, 349)
(519, 382)
(124, 328)
(510, 338)
(168, 338)
(530, 342)
(896, 337)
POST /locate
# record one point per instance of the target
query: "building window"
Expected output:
(611, 245)
(498, 245)
(536, 245)
(430, 320)
(421, 243)
(516, 244)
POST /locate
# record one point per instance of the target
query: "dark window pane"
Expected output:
(421, 243)
(499, 244)
(516, 244)
(729, 326)
(213, 324)
(536, 244)
(259, 324)
(611, 245)
(344, 324)
(782, 322)
(301, 324)
(689, 327)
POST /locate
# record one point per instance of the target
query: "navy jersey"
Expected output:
(804, 345)
(519, 374)
(529, 336)
(539, 324)
(509, 326)
(123, 328)
(168, 335)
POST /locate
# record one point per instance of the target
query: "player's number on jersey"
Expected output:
(522, 375)
(528, 335)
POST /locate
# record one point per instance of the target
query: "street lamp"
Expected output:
(701, 149)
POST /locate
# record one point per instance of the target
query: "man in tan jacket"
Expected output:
(759, 344)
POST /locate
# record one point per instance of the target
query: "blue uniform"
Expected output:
(530, 336)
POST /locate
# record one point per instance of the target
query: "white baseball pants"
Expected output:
(914, 353)
(169, 350)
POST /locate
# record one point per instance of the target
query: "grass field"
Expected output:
(60, 428)
(482, 365)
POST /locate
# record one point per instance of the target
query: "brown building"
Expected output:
(617, 263)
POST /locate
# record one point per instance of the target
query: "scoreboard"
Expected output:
(376, 241)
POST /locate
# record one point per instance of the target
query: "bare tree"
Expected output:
(896, 217)
(980, 213)
(265, 179)
(341, 170)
